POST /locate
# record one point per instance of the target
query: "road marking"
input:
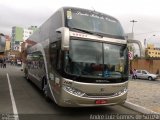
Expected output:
(15, 112)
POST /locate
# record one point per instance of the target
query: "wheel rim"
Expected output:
(45, 89)
(150, 78)
(26, 75)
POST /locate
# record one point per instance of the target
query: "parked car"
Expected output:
(144, 74)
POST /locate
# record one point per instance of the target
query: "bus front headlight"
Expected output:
(121, 92)
(73, 91)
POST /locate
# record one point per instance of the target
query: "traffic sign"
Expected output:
(130, 55)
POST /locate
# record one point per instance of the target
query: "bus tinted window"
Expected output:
(98, 60)
(94, 21)
(89, 52)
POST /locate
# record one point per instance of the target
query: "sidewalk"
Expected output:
(145, 93)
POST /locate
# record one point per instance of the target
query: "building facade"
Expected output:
(19, 35)
(152, 52)
(8, 43)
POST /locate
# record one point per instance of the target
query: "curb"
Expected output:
(138, 108)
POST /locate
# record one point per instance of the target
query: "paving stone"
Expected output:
(145, 93)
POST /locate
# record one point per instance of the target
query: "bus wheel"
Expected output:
(45, 89)
(26, 76)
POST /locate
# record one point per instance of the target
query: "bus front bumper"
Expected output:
(68, 99)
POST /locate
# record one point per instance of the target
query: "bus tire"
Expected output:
(45, 88)
(26, 75)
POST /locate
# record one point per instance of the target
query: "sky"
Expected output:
(24, 13)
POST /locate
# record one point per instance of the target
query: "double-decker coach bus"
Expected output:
(78, 58)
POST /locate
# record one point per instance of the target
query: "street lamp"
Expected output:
(133, 21)
(130, 61)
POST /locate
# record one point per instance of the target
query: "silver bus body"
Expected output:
(46, 65)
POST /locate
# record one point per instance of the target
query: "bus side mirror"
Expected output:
(63, 34)
(58, 35)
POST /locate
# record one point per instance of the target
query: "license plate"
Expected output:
(101, 102)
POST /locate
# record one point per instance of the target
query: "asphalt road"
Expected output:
(29, 103)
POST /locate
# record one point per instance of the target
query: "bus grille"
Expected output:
(95, 95)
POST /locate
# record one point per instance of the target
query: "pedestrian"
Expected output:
(4, 63)
(12, 62)
(134, 74)
(1, 63)
(131, 73)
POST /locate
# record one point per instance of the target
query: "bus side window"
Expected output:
(54, 54)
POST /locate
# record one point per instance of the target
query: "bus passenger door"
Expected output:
(55, 64)
(41, 67)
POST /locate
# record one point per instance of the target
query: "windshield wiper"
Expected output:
(87, 31)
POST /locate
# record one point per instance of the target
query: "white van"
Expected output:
(19, 63)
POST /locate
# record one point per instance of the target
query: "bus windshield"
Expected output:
(94, 21)
(98, 60)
